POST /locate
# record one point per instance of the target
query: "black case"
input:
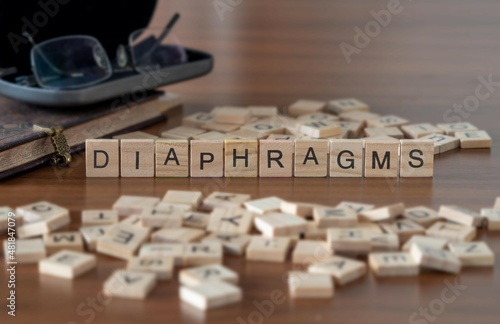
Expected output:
(111, 22)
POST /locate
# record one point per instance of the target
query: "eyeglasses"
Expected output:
(79, 61)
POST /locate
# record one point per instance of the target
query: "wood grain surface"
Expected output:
(428, 60)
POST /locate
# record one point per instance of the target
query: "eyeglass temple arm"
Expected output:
(35, 48)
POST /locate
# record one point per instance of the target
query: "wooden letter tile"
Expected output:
(308, 251)
(137, 158)
(133, 205)
(352, 240)
(129, 284)
(102, 158)
(264, 205)
(433, 242)
(421, 215)
(197, 119)
(356, 206)
(207, 158)
(460, 215)
(182, 132)
(387, 121)
(211, 272)
(473, 254)
(279, 224)
(91, 234)
(195, 219)
(385, 213)
(122, 241)
(41, 210)
(173, 251)
(442, 143)
(452, 232)
(177, 235)
(310, 285)
(320, 128)
(162, 215)
(474, 139)
(191, 198)
(276, 158)
(211, 294)
(393, 264)
(99, 217)
(241, 158)
(311, 158)
(346, 158)
(196, 254)
(420, 130)
(451, 128)
(384, 242)
(381, 158)
(436, 259)
(172, 158)
(325, 217)
(231, 115)
(404, 229)
(161, 266)
(224, 200)
(343, 270)
(237, 220)
(492, 217)
(67, 264)
(417, 158)
(385, 131)
(346, 105)
(304, 107)
(232, 244)
(41, 218)
(268, 249)
(26, 251)
(55, 242)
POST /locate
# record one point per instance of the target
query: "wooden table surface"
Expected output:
(427, 59)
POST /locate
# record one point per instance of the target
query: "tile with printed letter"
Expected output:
(130, 284)
(67, 264)
(237, 220)
(212, 272)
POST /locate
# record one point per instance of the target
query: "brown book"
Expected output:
(24, 144)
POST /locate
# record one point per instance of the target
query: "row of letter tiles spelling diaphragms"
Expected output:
(334, 245)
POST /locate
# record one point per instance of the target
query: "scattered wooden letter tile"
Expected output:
(230, 220)
(135, 135)
(276, 158)
(133, 205)
(404, 229)
(218, 127)
(210, 294)
(460, 215)
(170, 250)
(343, 270)
(388, 264)
(48, 223)
(433, 242)
(452, 232)
(436, 259)
(263, 205)
(279, 224)
(346, 105)
(311, 158)
(384, 242)
(304, 107)
(192, 198)
(420, 130)
(417, 158)
(122, 241)
(381, 158)
(177, 235)
(492, 217)
(346, 158)
(231, 115)
(182, 132)
(316, 117)
(387, 131)
(421, 215)
(212, 272)
(297, 208)
(308, 251)
(241, 158)
(224, 200)
(320, 128)
(263, 111)
(473, 254)
(195, 219)
(353, 240)
(91, 234)
(313, 232)
(334, 217)
(273, 249)
(211, 136)
(5, 214)
(55, 242)
(196, 120)
(99, 217)
(451, 128)
(385, 213)
(203, 253)
(129, 284)
(41, 210)
(161, 266)
(310, 285)
(356, 206)
(137, 158)
(474, 139)
(387, 121)
(358, 116)
(172, 158)
(162, 215)
(248, 134)
(280, 137)
(102, 157)
(207, 158)
(67, 264)
(442, 143)
(24, 251)
(232, 243)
